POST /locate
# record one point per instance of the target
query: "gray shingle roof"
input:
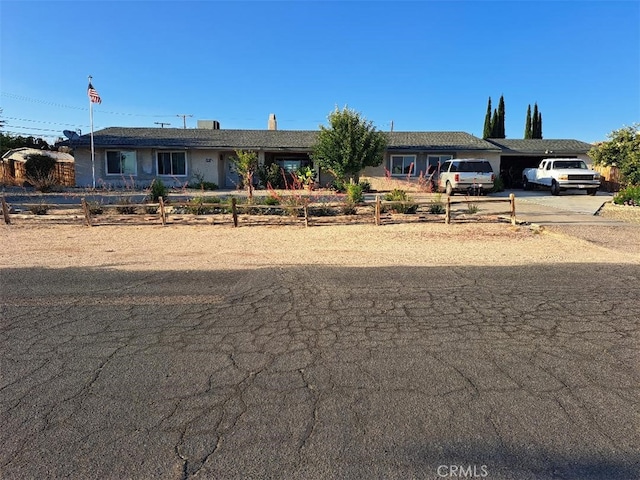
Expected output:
(539, 146)
(266, 139)
(438, 141)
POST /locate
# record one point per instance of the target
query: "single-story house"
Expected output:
(126, 155)
(12, 166)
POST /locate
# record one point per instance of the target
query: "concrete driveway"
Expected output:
(574, 201)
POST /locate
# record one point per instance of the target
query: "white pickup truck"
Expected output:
(561, 174)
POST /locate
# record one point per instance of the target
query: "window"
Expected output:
(475, 166)
(172, 163)
(121, 162)
(291, 165)
(409, 164)
(435, 162)
(403, 164)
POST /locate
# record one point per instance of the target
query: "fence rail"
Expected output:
(303, 210)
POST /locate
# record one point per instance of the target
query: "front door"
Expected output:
(231, 179)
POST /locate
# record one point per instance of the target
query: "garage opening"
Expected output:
(511, 168)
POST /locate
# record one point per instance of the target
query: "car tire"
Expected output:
(592, 191)
(448, 189)
(555, 188)
(525, 184)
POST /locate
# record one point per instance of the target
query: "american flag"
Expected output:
(94, 96)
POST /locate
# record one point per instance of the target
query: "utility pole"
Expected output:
(162, 124)
(184, 119)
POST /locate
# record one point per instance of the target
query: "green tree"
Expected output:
(536, 117)
(245, 165)
(9, 142)
(500, 130)
(487, 130)
(622, 149)
(495, 121)
(539, 124)
(350, 144)
(528, 132)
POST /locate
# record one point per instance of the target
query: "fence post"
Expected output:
(5, 211)
(512, 201)
(163, 215)
(447, 213)
(87, 212)
(377, 210)
(305, 208)
(234, 212)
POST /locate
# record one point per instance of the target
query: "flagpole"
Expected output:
(93, 155)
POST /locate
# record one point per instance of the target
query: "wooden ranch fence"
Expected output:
(303, 211)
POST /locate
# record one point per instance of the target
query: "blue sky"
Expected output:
(425, 66)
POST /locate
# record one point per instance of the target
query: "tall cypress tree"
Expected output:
(500, 129)
(539, 124)
(486, 131)
(495, 124)
(536, 117)
(527, 126)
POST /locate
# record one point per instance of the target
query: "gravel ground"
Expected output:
(620, 212)
(198, 247)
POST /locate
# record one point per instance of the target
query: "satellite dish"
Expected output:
(70, 134)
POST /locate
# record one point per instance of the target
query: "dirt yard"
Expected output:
(206, 247)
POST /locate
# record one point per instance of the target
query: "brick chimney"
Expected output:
(273, 124)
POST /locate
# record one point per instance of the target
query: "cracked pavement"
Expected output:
(319, 372)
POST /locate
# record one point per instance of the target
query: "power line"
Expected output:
(44, 121)
(33, 128)
(60, 105)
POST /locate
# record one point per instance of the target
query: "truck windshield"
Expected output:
(570, 164)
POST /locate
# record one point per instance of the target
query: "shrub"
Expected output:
(354, 193)
(366, 186)
(95, 208)
(157, 190)
(271, 200)
(40, 171)
(306, 176)
(498, 185)
(436, 206)
(628, 196)
(338, 185)
(196, 206)
(39, 165)
(404, 202)
(270, 175)
(125, 207)
(396, 195)
(39, 209)
(472, 208)
(349, 208)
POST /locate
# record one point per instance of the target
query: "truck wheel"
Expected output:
(525, 184)
(448, 189)
(592, 191)
(555, 188)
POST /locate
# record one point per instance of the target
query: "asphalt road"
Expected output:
(321, 373)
